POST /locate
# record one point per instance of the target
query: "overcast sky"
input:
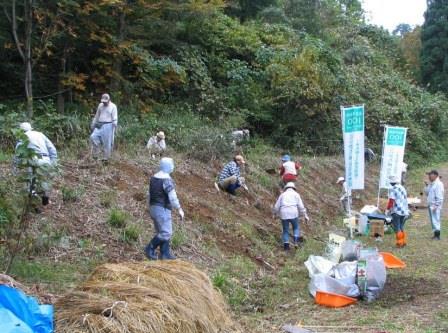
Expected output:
(390, 13)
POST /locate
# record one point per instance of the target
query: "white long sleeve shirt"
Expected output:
(41, 145)
(435, 193)
(155, 145)
(106, 114)
(289, 205)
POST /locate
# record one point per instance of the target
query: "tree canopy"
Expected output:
(281, 68)
(434, 55)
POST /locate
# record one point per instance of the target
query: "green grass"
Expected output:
(131, 233)
(118, 218)
(232, 278)
(180, 237)
(55, 276)
(5, 157)
(70, 194)
(108, 198)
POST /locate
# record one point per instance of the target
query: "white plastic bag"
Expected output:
(318, 265)
(350, 250)
(329, 284)
(376, 273)
(345, 272)
(363, 225)
(333, 248)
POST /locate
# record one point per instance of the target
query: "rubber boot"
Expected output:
(436, 235)
(165, 251)
(405, 238)
(286, 246)
(151, 248)
(399, 239)
(45, 200)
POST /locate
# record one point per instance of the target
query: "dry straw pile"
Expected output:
(149, 297)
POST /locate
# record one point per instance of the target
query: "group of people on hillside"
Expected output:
(289, 206)
(162, 197)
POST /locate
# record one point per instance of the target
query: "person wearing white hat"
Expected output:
(289, 208)
(156, 144)
(45, 150)
(346, 195)
(103, 126)
(398, 208)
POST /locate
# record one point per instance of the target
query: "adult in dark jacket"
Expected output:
(162, 199)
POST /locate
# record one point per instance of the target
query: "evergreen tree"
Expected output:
(434, 56)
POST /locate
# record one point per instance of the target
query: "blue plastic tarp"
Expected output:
(9, 323)
(20, 313)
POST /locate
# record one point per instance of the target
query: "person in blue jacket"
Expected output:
(162, 199)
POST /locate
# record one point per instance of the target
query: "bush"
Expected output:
(118, 218)
(235, 294)
(70, 194)
(131, 234)
(107, 199)
(208, 144)
(179, 238)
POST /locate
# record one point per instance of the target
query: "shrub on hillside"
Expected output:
(131, 234)
(118, 218)
(70, 194)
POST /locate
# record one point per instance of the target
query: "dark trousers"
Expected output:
(398, 222)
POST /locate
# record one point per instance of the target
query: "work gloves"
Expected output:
(307, 218)
(242, 182)
(181, 214)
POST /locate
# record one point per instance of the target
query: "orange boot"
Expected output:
(405, 238)
(399, 239)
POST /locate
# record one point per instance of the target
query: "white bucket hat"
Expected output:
(25, 126)
(394, 180)
(161, 135)
(105, 98)
(340, 179)
(290, 185)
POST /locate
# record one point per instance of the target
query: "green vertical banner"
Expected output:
(353, 133)
(393, 154)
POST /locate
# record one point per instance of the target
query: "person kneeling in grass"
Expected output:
(289, 207)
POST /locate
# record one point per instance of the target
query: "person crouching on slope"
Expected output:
(397, 206)
(289, 169)
(230, 179)
(46, 155)
(162, 199)
(289, 207)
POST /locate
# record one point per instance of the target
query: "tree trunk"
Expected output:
(60, 102)
(118, 62)
(28, 60)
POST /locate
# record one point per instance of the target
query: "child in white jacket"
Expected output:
(289, 207)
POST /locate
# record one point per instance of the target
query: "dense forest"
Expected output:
(281, 68)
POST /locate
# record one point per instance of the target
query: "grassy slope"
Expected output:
(236, 241)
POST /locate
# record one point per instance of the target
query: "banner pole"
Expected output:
(381, 168)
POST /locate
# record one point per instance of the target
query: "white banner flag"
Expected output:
(353, 130)
(393, 153)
